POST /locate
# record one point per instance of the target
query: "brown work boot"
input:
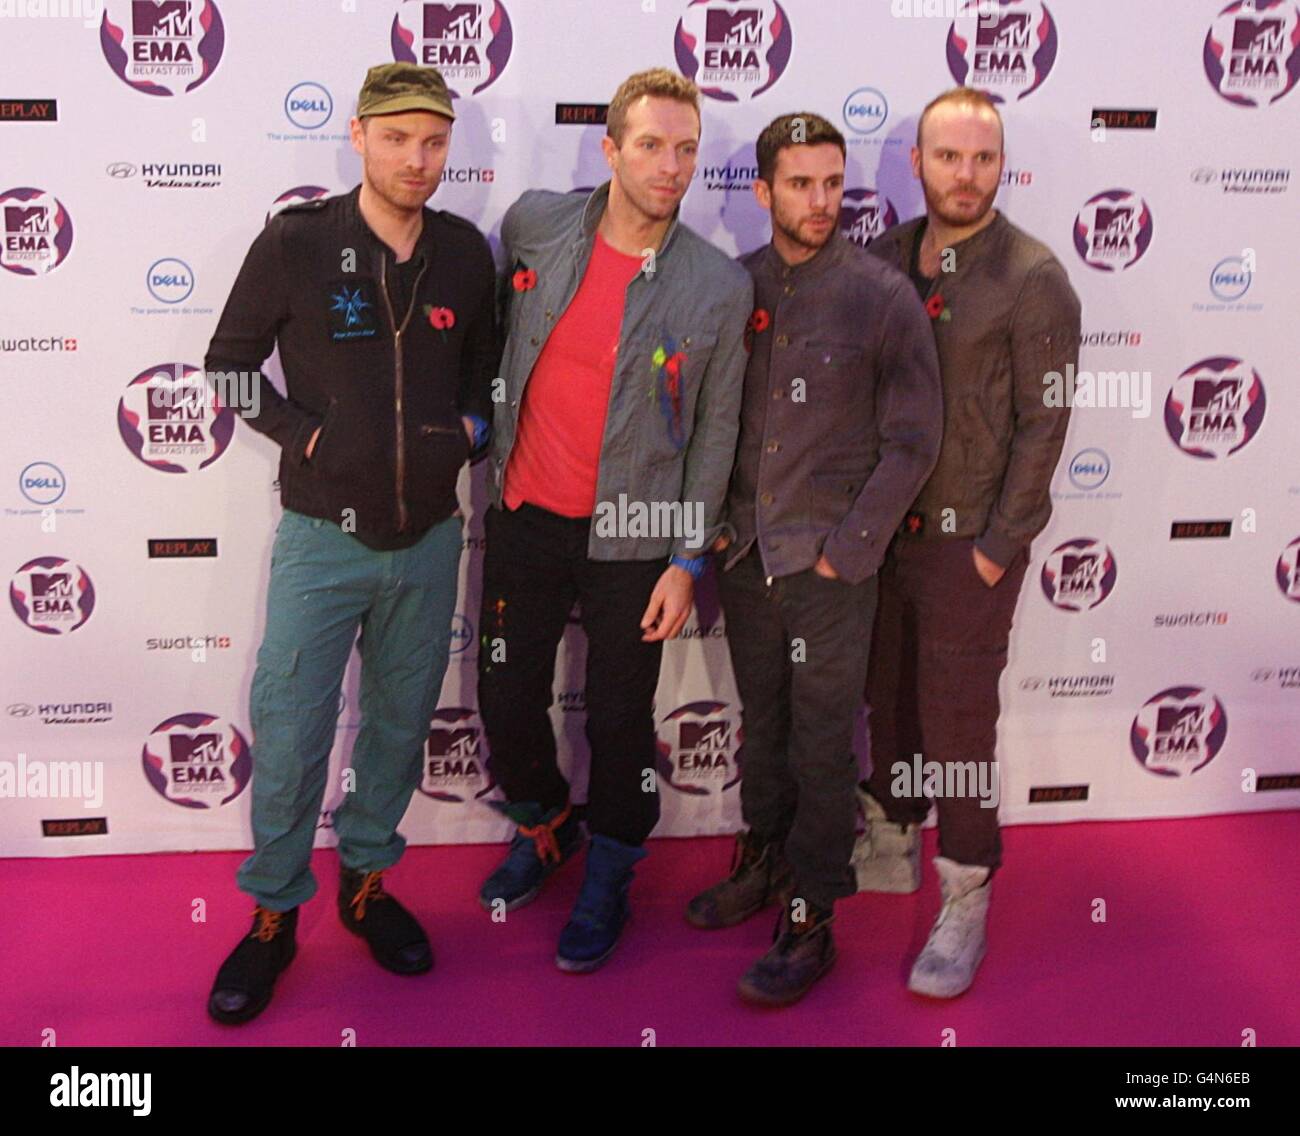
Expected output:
(801, 952)
(759, 876)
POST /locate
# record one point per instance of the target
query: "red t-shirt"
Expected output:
(556, 456)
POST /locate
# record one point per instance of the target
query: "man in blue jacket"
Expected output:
(613, 444)
(384, 314)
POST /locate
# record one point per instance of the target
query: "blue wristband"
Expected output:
(482, 429)
(695, 566)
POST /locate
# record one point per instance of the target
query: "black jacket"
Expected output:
(1004, 318)
(391, 443)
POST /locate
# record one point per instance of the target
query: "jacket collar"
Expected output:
(825, 258)
(356, 222)
(592, 212)
(915, 230)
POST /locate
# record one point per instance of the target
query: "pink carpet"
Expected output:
(1199, 944)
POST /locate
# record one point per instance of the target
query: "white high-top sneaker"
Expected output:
(946, 966)
(887, 856)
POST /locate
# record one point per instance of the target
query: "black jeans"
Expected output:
(940, 648)
(799, 652)
(534, 568)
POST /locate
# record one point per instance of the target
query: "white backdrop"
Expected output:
(1149, 676)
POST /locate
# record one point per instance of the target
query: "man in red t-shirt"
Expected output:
(613, 445)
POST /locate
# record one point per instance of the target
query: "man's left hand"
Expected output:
(468, 423)
(823, 569)
(989, 572)
(670, 604)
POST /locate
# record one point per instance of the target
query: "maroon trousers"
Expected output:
(938, 650)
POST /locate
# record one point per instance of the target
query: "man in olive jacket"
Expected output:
(1004, 318)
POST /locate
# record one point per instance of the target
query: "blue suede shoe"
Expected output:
(601, 912)
(544, 841)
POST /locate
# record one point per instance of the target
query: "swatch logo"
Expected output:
(1078, 575)
(1179, 731)
(733, 51)
(37, 231)
(1252, 51)
(52, 595)
(1007, 53)
(198, 761)
(469, 43)
(162, 47)
(1215, 407)
(1113, 230)
(171, 419)
(1288, 571)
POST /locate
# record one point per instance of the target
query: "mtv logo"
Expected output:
(168, 20)
(704, 737)
(1179, 719)
(1216, 394)
(187, 749)
(744, 27)
(176, 404)
(1114, 220)
(453, 21)
(52, 584)
(866, 225)
(453, 743)
(27, 219)
(1011, 30)
(1258, 37)
(1080, 571)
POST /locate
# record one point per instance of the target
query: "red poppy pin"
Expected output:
(936, 307)
(441, 319)
(759, 321)
(524, 280)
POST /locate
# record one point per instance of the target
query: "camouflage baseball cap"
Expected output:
(395, 87)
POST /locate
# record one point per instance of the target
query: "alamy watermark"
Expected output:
(1130, 390)
(53, 780)
(978, 779)
(90, 12)
(676, 520)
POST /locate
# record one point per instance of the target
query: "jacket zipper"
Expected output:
(402, 519)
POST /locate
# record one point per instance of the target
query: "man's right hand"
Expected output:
(722, 542)
(311, 444)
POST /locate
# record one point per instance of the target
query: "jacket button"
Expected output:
(772, 447)
(789, 290)
(864, 534)
(533, 341)
(548, 313)
(778, 393)
(782, 340)
(767, 498)
(514, 402)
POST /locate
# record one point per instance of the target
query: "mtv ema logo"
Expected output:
(170, 418)
(1078, 575)
(865, 214)
(698, 752)
(1215, 407)
(1288, 571)
(454, 766)
(1006, 52)
(1178, 731)
(197, 761)
(52, 595)
(37, 233)
(469, 43)
(1252, 51)
(733, 51)
(1113, 230)
(162, 47)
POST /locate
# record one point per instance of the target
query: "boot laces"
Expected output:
(543, 836)
(371, 890)
(270, 923)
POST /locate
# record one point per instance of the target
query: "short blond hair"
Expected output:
(657, 83)
(967, 97)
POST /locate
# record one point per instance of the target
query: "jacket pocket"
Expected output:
(833, 495)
